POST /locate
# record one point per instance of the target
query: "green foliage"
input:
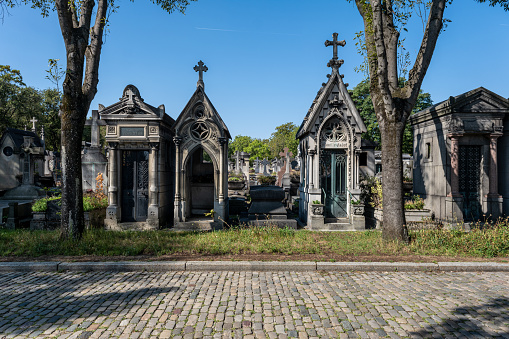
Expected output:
(362, 98)
(416, 203)
(91, 203)
(236, 177)
(488, 242)
(317, 202)
(19, 103)
(41, 205)
(266, 179)
(503, 3)
(284, 136)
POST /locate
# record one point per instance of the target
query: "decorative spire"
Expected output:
(334, 62)
(200, 68)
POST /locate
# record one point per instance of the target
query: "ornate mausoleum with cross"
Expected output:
(334, 157)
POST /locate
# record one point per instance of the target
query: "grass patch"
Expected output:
(488, 242)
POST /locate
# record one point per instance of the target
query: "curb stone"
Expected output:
(376, 266)
(276, 266)
(124, 266)
(28, 266)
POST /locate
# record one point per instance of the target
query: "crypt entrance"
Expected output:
(201, 161)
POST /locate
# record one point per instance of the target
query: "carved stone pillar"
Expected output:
(493, 166)
(154, 174)
(454, 165)
(222, 143)
(494, 200)
(454, 200)
(312, 153)
(113, 210)
(113, 175)
(177, 215)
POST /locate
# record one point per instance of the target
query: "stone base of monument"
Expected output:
(128, 226)
(197, 224)
(24, 192)
(267, 208)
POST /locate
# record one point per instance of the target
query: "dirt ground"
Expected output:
(262, 257)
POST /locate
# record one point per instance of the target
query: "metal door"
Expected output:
(470, 181)
(333, 183)
(134, 185)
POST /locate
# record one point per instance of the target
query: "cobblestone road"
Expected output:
(254, 305)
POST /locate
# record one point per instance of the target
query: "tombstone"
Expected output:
(19, 152)
(257, 165)
(284, 179)
(461, 157)
(267, 208)
(93, 160)
(264, 163)
(333, 155)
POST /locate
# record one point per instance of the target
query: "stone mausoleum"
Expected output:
(334, 158)
(164, 171)
(461, 156)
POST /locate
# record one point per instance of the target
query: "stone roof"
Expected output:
(479, 100)
(17, 136)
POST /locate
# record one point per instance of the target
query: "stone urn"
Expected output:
(358, 209)
(317, 209)
(236, 185)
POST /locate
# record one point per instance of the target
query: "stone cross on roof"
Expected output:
(33, 121)
(200, 68)
(95, 132)
(334, 62)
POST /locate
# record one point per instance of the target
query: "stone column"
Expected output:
(113, 210)
(494, 200)
(454, 200)
(153, 174)
(454, 165)
(222, 143)
(113, 175)
(493, 166)
(312, 153)
(178, 156)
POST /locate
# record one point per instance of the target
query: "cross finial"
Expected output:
(33, 121)
(335, 43)
(200, 68)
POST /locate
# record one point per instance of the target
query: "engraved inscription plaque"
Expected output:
(132, 131)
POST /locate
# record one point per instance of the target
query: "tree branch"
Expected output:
(423, 59)
(86, 13)
(381, 57)
(93, 52)
(65, 19)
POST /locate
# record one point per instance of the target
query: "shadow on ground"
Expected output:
(482, 321)
(31, 301)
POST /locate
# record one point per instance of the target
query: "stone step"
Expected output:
(335, 226)
(199, 225)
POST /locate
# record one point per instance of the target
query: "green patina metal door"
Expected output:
(333, 183)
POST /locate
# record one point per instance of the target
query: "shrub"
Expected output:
(236, 177)
(266, 179)
(41, 205)
(416, 203)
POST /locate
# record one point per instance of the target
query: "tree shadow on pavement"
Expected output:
(482, 321)
(29, 303)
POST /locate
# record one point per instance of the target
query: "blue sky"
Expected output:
(266, 59)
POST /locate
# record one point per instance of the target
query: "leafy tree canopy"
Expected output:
(362, 98)
(20, 103)
(284, 136)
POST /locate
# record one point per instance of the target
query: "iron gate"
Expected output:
(470, 181)
(134, 185)
(333, 183)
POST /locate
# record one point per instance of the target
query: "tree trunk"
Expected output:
(74, 112)
(392, 182)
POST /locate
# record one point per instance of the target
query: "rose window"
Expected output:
(199, 130)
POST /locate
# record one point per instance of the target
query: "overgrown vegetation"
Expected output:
(488, 242)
